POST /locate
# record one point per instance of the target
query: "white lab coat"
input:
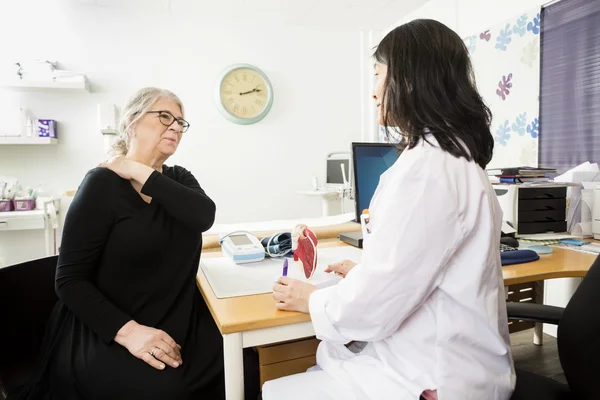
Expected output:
(428, 295)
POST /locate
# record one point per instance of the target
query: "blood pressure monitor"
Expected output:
(242, 247)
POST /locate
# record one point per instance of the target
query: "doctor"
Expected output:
(423, 315)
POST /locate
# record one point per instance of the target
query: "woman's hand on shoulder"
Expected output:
(120, 165)
(128, 169)
(151, 345)
(341, 268)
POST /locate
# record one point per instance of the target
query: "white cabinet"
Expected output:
(26, 235)
(22, 220)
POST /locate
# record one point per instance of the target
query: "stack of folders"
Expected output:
(518, 175)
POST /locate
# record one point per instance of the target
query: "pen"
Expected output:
(285, 267)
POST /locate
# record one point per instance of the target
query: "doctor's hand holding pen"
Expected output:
(341, 268)
(292, 294)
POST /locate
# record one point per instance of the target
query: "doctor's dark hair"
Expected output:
(430, 87)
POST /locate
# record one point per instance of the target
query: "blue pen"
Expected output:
(285, 267)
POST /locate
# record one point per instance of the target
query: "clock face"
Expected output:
(244, 94)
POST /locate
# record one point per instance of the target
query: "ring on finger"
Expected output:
(153, 352)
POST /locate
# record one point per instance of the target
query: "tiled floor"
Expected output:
(539, 359)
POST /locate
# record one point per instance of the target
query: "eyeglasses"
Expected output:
(166, 118)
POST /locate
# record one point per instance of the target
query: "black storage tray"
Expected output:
(543, 193)
(542, 216)
(530, 228)
(541, 205)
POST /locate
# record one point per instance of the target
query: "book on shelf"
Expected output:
(521, 179)
(520, 171)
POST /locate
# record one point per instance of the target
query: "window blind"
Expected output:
(570, 84)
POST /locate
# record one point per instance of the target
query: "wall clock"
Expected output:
(243, 94)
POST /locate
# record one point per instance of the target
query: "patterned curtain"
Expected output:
(507, 70)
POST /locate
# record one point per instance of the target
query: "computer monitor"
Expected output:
(370, 161)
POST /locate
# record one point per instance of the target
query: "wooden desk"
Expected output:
(562, 263)
(250, 321)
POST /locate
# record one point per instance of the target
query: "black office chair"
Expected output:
(27, 298)
(578, 344)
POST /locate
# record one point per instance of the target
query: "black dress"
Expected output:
(122, 259)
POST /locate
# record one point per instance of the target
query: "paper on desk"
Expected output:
(582, 229)
(546, 236)
(276, 225)
(590, 185)
(586, 205)
(586, 172)
(579, 216)
(574, 208)
(228, 279)
(591, 248)
(507, 229)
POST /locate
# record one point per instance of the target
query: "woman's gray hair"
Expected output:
(140, 103)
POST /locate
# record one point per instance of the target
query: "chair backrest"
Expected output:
(579, 337)
(27, 297)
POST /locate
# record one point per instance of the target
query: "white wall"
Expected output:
(468, 17)
(474, 16)
(252, 172)
(441, 10)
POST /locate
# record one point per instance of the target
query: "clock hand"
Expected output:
(250, 91)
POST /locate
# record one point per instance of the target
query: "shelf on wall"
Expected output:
(46, 86)
(19, 140)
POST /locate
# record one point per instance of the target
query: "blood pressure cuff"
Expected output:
(281, 244)
(518, 257)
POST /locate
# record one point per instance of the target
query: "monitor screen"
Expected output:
(370, 161)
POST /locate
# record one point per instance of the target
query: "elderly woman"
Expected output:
(130, 323)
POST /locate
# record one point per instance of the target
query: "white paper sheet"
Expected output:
(585, 172)
(507, 229)
(574, 208)
(594, 249)
(587, 204)
(228, 279)
(579, 214)
(546, 236)
(582, 229)
(591, 248)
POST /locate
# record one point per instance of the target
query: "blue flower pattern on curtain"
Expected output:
(507, 57)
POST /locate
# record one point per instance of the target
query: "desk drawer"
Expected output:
(543, 193)
(287, 351)
(285, 368)
(283, 359)
(21, 223)
(542, 216)
(530, 228)
(541, 205)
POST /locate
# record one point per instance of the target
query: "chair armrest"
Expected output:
(534, 312)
